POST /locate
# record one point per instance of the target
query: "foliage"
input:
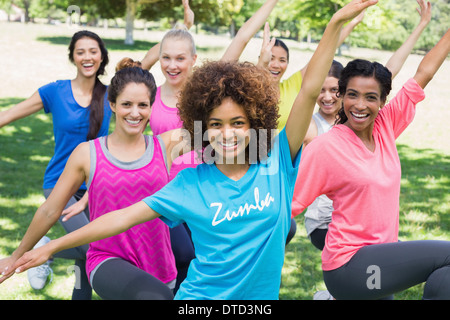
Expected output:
(385, 26)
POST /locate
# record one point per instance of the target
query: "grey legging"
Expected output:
(378, 271)
(82, 289)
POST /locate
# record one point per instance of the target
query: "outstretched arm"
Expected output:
(152, 55)
(300, 116)
(395, 63)
(107, 225)
(21, 110)
(247, 31)
(49, 212)
(433, 60)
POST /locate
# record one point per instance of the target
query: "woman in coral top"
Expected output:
(356, 165)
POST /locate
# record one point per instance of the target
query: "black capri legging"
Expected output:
(117, 279)
(378, 271)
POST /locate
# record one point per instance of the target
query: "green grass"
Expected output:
(26, 146)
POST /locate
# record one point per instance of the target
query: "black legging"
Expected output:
(318, 238)
(117, 279)
(183, 251)
(377, 271)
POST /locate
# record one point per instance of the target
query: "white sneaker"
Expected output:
(37, 276)
(322, 295)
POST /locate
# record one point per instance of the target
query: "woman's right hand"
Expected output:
(266, 48)
(33, 258)
(6, 268)
(76, 208)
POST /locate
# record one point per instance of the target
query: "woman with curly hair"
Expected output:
(238, 203)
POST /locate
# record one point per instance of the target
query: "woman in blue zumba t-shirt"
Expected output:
(80, 112)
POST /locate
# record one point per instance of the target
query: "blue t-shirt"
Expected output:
(239, 228)
(70, 125)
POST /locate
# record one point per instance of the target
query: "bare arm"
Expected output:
(300, 116)
(433, 60)
(107, 225)
(76, 208)
(395, 63)
(267, 45)
(348, 28)
(49, 212)
(247, 31)
(176, 144)
(152, 55)
(21, 110)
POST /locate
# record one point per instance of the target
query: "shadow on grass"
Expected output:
(118, 44)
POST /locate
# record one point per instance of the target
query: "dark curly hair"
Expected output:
(364, 68)
(246, 84)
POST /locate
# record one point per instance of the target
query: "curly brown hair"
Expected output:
(246, 84)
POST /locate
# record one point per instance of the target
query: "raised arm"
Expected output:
(247, 31)
(300, 116)
(267, 45)
(395, 63)
(50, 211)
(433, 60)
(348, 28)
(21, 110)
(152, 55)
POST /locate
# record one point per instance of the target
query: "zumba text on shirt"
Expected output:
(219, 217)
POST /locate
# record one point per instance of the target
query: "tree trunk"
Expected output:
(131, 12)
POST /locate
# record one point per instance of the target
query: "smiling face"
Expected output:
(228, 127)
(132, 108)
(279, 63)
(362, 101)
(87, 57)
(328, 102)
(176, 60)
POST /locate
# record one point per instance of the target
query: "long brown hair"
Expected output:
(98, 94)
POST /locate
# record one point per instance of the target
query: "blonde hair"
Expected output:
(180, 32)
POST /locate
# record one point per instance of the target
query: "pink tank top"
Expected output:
(115, 185)
(164, 118)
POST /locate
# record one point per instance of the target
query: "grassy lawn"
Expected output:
(27, 145)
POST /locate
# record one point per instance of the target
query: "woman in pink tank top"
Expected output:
(119, 169)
